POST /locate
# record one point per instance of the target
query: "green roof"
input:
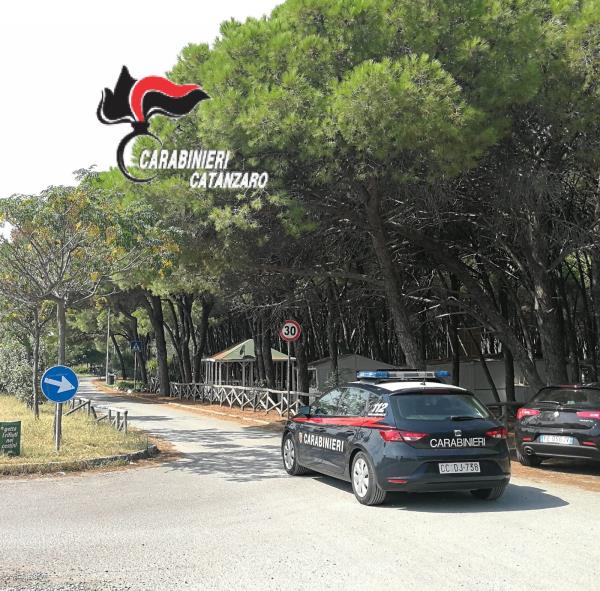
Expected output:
(243, 352)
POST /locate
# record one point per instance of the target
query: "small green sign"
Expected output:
(10, 438)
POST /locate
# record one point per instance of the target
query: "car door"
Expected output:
(312, 431)
(343, 428)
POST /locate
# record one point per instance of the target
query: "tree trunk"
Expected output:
(509, 374)
(202, 330)
(393, 291)
(453, 334)
(548, 323)
(61, 320)
(185, 311)
(266, 355)
(302, 364)
(36, 363)
(486, 369)
(119, 355)
(374, 337)
(332, 344)
(260, 366)
(154, 307)
(509, 362)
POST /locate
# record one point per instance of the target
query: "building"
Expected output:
(320, 371)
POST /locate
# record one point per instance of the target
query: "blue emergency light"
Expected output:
(384, 374)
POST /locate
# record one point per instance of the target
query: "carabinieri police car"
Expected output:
(400, 431)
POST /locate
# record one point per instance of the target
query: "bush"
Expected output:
(15, 372)
(124, 385)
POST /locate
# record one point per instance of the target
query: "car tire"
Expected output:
(289, 455)
(530, 461)
(490, 494)
(364, 483)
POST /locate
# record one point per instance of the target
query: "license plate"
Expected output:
(557, 439)
(459, 467)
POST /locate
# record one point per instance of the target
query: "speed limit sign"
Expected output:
(290, 331)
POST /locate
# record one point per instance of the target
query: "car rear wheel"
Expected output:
(290, 457)
(532, 461)
(365, 487)
(489, 494)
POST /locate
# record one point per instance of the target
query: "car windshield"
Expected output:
(576, 397)
(439, 406)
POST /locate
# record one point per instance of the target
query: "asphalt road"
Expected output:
(225, 515)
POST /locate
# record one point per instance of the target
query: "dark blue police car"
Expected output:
(400, 431)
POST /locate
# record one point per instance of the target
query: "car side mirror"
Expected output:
(304, 411)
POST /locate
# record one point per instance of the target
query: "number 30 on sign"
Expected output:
(290, 331)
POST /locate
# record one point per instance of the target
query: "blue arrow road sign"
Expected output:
(59, 383)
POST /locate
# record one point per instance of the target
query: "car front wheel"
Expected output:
(289, 453)
(365, 487)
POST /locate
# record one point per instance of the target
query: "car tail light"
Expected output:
(589, 443)
(397, 435)
(497, 433)
(527, 438)
(526, 412)
(589, 414)
(397, 481)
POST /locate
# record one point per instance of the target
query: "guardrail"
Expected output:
(242, 396)
(113, 416)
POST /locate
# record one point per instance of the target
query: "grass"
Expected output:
(82, 437)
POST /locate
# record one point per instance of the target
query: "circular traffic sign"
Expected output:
(59, 383)
(290, 331)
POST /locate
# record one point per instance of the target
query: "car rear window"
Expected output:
(579, 397)
(438, 406)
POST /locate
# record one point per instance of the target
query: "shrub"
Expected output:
(15, 372)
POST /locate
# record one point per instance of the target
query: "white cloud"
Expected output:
(58, 56)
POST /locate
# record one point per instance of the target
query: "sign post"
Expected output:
(59, 384)
(136, 347)
(10, 438)
(290, 332)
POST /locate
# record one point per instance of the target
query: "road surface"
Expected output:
(224, 515)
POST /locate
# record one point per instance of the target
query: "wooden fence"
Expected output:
(242, 396)
(268, 400)
(113, 416)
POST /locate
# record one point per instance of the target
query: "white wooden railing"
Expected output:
(252, 397)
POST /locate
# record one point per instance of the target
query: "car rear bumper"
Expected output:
(545, 450)
(423, 475)
(457, 483)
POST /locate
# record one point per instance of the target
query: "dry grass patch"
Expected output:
(82, 439)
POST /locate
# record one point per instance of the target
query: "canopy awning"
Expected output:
(242, 352)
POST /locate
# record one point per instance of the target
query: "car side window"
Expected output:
(327, 405)
(353, 402)
(377, 406)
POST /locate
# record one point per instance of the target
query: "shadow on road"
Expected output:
(233, 463)
(516, 498)
(237, 456)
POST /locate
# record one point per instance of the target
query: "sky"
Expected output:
(55, 59)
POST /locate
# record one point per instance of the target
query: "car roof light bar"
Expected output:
(383, 374)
